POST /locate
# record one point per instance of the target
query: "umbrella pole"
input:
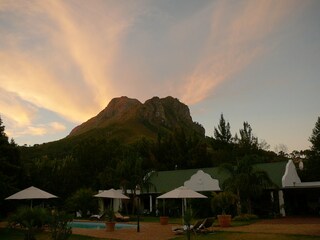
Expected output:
(182, 207)
(164, 207)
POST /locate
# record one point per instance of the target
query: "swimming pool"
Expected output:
(99, 225)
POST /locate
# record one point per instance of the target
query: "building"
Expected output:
(288, 196)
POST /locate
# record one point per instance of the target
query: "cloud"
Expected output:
(56, 126)
(14, 108)
(50, 128)
(237, 38)
(91, 39)
(60, 55)
(71, 57)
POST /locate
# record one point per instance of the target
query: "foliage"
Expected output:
(10, 171)
(245, 182)
(100, 160)
(187, 218)
(312, 163)
(223, 201)
(29, 219)
(222, 133)
(315, 138)
(82, 200)
(59, 228)
(202, 206)
(247, 140)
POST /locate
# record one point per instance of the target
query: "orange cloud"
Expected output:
(80, 40)
(15, 108)
(35, 129)
(238, 32)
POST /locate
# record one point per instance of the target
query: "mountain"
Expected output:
(128, 119)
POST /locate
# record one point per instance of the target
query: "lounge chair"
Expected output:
(184, 228)
(97, 216)
(206, 226)
(121, 218)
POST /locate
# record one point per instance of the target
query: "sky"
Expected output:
(61, 62)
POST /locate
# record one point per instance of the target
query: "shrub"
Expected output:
(82, 200)
(30, 219)
(223, 201)
(59, 228)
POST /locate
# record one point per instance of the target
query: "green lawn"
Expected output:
(247, 236)
(13, 234)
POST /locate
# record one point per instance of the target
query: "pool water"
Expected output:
(99, 225)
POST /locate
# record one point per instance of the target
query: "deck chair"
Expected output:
(97, 216)
(206, 226)
(121, 218)
(183, 229)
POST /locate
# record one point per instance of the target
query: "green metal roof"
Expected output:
(274, 170)
(164, 181)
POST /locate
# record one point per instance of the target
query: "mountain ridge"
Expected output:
(146, 119)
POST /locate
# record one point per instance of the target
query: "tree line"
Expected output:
(98, 163)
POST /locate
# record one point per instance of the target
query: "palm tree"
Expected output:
(131, 174)
(245, 181)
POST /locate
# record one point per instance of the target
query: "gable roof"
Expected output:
(164, 181)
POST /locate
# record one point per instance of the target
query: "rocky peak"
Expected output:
(156, 112)
(118, 107)
(165, 111)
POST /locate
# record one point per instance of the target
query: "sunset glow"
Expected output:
(61, 62)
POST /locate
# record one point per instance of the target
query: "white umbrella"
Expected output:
(111, 193)
(183, 193)
(31, 193)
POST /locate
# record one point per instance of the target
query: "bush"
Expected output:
(30, 219)
(223, 201)
(59, 228)
(83, 201)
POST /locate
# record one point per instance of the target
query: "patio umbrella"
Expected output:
(183, 193)
(111, 193)
(31, 193)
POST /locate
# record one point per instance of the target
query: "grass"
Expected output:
(14, 234)
(248, 236)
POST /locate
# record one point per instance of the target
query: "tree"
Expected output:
(281, 149)
(247, 140)
(315, 138)
(10, 171)
(82, 200)
(222, 133)
(245, 181)
(312, 164)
